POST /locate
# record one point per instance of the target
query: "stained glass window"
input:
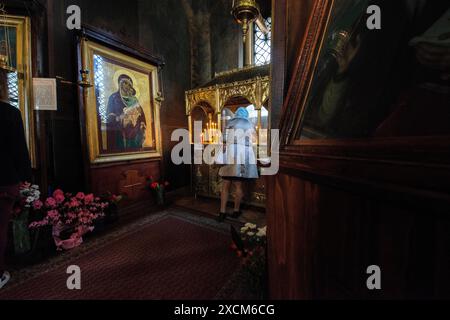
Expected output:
(263, 44)
(99, 79)
(13, 89)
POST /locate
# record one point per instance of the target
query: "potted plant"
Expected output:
(111, 212)
(250, 245)
(70, 216)
(21, 235)
(158, 189)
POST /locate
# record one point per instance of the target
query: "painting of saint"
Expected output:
(126, 123)
(120, 104)
(361, 74)
(125, 110)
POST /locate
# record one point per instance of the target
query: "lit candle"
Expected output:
(210, 131)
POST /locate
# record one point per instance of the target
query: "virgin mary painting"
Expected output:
(126, 123)
(122, 114)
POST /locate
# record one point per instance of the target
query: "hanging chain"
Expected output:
(7, 39)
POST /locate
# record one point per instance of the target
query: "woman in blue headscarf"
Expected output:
(240, 161)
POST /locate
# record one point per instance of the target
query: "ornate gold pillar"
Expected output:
(249, 46)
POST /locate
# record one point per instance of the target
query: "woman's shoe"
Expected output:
(222, 217)
(236, 214)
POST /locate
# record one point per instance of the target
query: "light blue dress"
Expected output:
(239, 158)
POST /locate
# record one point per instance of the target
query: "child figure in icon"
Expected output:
(126, 123)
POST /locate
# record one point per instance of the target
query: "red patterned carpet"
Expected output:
(169, 258)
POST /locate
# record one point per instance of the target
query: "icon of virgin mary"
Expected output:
(126, 124)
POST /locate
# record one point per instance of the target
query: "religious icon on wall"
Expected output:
(16, 59)
(363, 80)
(121, 111)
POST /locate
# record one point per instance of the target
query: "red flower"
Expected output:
(89, 199)
(50, 202)
(58, 195)
(155, 185)
(74, 203)
(58, 192)
(37, 205)
(80, 195)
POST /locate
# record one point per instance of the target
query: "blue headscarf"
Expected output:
(242, 113)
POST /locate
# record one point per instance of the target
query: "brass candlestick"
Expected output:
(159, 97)
(5, 44)
(4, 64)
(85, 82)
(245, 12)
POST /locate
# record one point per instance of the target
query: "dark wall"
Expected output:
(195, 38)
(225, 37)
(64, 152)
(142, 22)
(215, 38)
(163, 28)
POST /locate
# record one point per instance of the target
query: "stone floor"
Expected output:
(211, 207)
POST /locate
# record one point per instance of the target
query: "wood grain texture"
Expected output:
(125, 178)
(322, 238)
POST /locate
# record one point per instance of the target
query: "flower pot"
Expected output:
(111, 214)
(21, 234)
(160, 198)
(67, 237)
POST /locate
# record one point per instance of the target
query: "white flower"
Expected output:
(35, 187)
(244, 230)
(30, 199)
(251, 226)
(250, 234)
(262, 232)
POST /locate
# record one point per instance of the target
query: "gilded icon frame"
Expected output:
(88, 49)
(24, 77)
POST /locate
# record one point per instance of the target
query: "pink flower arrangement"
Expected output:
(65, 211)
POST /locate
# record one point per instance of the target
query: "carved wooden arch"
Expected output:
(201, 105)
(247, 91)
(264, 92)
(224, 102)
(196, 98)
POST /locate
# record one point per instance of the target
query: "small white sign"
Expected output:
(45, 97)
